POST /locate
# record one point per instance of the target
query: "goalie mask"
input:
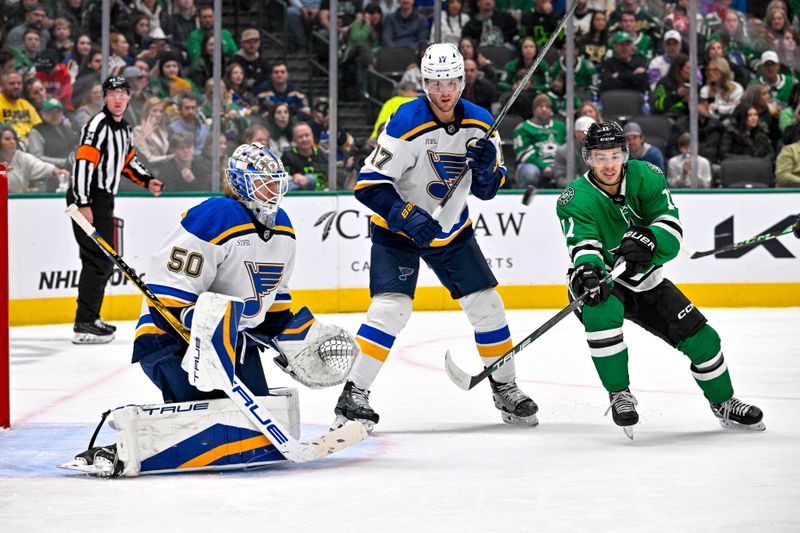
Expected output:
(257, 178)
(442, 69)
(315, 354)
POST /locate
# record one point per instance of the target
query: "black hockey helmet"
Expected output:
(114, 83)
(603, 137)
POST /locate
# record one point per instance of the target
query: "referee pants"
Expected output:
(96, 268)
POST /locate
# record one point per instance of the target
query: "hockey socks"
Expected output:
(708, 368)
(493, 345)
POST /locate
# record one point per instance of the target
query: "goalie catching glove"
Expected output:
(315, 354)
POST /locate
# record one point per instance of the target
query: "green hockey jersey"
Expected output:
(537, 144)
(593, 221)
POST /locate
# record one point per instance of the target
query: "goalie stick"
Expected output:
(292, 449)
(504, 111)
(465, 381)
(749, 242)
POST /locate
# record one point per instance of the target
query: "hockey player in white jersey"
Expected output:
(241, 245)
(419, 155)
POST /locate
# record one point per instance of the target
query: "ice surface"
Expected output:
(440, 459)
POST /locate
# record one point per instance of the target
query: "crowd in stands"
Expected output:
(748, 106)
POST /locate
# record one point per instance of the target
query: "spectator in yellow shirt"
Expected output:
(14, 109)
(404, 92)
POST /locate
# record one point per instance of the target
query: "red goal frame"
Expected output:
(5, 393)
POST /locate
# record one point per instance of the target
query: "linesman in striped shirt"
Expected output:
(104, 156)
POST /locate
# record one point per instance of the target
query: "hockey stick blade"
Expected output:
(466, 381)
(338, 439)
(743, 244)
(294, 450)
(324, 445)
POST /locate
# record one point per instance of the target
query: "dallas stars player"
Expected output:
(623, 210)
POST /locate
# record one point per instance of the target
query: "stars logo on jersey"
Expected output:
(653, 167)
(264, 278)
(566, 196)
(447, 167)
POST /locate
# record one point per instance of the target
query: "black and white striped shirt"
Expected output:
(105, 153)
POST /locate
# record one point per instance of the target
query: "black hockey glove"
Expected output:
(482, 160)
(586, 278)
(414, 222)
(796, 227)
(637, 248)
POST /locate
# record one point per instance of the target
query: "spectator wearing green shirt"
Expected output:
(527, 53)
(363, 42)
(206, 23)
(586, 79)
(535, 144)
(780, 85)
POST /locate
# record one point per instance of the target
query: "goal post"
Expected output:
(5, 394)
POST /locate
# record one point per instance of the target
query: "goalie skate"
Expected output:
(354, 405)
(735, 414)
(515, 406)
(101, 461)
(623, 410)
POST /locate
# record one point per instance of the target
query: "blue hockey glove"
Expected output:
(586, 278)
(414, 222)
(482, 160)
(637, 248)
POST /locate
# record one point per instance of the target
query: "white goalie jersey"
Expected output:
(422, 157)
(217, 248)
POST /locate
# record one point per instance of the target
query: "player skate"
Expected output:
(100, 461)
(515, 406)
(353, 404)
(97, 332)
(735, 414)
(623, 410)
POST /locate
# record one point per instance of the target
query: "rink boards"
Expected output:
(524, 246)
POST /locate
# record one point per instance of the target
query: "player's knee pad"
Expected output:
(484, 309)
(389, 312)
(702, 346)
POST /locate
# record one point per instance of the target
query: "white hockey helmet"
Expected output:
(257, 178)
(442, 61)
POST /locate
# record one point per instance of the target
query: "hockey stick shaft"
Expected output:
(466, 382)
(504, 111)
(247, 402)
(743, 244)
(112, 254)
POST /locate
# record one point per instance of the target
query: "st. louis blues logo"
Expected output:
(447, 167)
(264, 278)
(404, 273)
